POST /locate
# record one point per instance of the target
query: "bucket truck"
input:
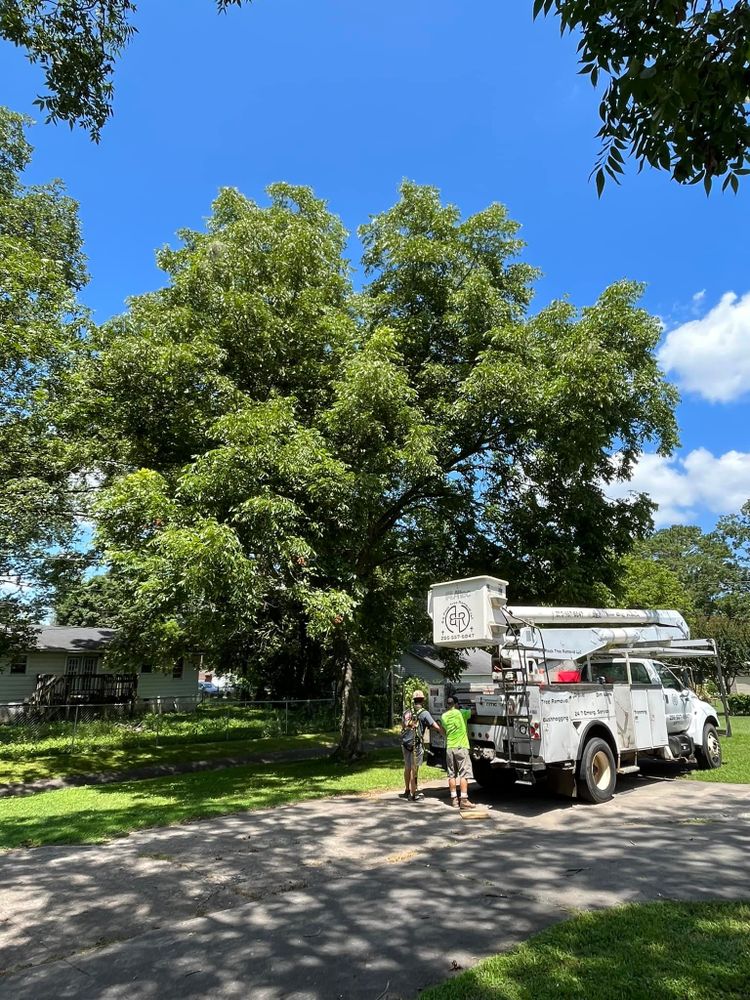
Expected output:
(579, 695)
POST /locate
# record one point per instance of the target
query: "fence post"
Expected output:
(75, 727)
(286, 718)
(158, 718)
(391, 713)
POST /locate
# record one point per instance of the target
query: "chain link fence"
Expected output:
(159, 722)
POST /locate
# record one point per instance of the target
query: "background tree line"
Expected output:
(704, 574)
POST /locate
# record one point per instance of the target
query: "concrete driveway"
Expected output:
(351, 898)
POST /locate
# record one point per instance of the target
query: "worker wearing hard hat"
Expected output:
(414, 723)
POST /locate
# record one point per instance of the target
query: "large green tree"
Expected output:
(677, 72)
(288, 464)
(734, 530)
(85, 601)
(706, 575)
(704, 563)
(732, 636)
(41, 269)
(649, 583)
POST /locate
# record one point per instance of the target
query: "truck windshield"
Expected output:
(668, 678)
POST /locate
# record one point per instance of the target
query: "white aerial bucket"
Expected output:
(468, 612)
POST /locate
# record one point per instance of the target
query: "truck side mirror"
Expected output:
(601, 680)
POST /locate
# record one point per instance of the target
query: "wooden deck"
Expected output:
(84, 689)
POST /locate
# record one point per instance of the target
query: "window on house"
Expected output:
(81, 665)
(18, 664)
(178, 668)
(147, 668)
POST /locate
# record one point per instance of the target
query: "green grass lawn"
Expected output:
(114, 749)
(92, 759)
(653, 951)
(94, 814)
(736, 755)
(46, 748)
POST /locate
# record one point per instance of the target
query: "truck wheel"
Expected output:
(597, 774)
(709, 755)
(492, 778)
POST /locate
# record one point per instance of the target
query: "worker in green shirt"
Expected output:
(457, 753)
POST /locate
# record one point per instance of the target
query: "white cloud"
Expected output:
(685, 488)
(711, 356)
(699, 295)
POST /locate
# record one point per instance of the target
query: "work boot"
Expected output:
(454, 801)
(465, 804)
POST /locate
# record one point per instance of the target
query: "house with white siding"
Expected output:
(65, 666)
(423, 660)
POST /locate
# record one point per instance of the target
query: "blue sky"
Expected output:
(472, 97)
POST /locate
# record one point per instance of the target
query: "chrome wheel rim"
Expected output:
(713, 748)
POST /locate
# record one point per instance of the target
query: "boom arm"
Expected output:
(474, 612)
(597, 616)
(556, 644)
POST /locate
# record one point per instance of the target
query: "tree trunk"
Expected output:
(350, 742)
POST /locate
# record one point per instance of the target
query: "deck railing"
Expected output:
(84, 689)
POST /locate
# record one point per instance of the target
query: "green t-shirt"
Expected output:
(454, 724)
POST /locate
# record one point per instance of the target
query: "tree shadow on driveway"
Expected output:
(351, 896)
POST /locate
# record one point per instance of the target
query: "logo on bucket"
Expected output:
(457, 618)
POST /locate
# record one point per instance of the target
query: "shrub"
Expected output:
(739, 704)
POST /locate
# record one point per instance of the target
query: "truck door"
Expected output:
(649, 706)
(676, 700)
(647, 689)
(639, 692)
(615, 672)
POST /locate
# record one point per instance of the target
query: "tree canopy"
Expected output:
(734, 530)
(41, 270)
(77, 44)
(704, 563)
(286, 463)
(678, 80)
(650, 583)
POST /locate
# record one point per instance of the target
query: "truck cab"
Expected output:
(685, 711)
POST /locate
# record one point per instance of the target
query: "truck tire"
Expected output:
(597, 773)
(492, 778)
(709, 755)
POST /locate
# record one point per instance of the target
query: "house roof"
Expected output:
(473, 660)
(66, 639)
